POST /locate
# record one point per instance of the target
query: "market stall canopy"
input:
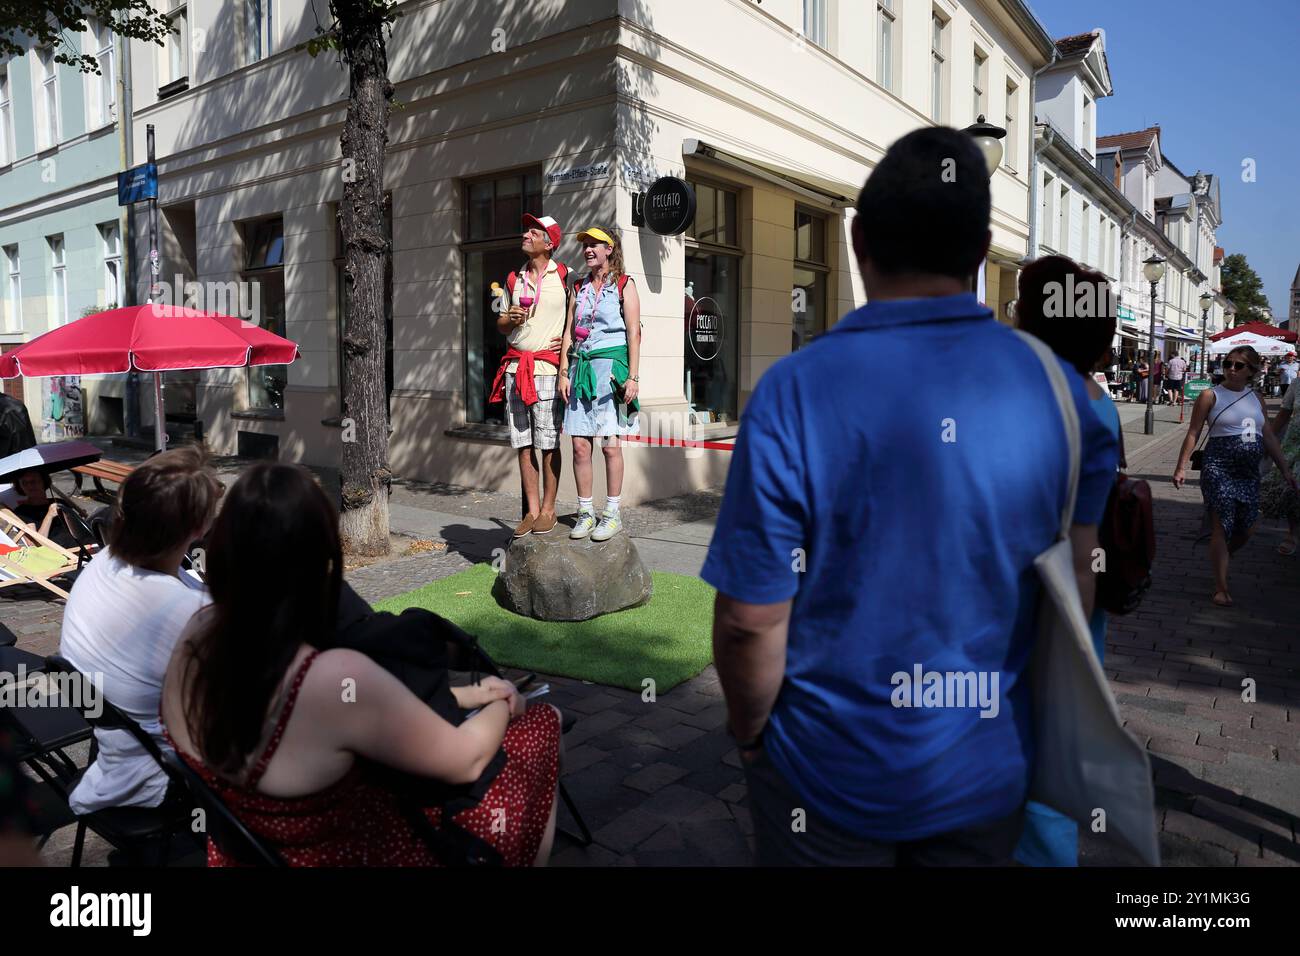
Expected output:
(47, 458)
(1261, 344)
(1256, 328)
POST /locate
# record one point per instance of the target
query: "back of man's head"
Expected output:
(924, 210)
(162, 505)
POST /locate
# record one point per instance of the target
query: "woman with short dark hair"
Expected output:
(1238, 438)
(295, 739)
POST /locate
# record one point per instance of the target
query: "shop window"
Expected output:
(264, 266)
(494, 209)
(712, 306)
(344, 291)
(811, 277)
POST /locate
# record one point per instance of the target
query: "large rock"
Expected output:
(553, 578)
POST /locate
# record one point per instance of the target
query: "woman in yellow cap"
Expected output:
(599, 378)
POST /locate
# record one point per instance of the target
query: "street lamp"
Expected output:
(986, 137)
(1154, 270)
(1207, 300)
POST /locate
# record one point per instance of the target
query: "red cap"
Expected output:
(547, 225)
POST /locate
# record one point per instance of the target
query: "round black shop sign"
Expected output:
(706, 329)
(669, 206)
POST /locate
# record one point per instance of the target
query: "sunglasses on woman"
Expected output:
(1236, 366)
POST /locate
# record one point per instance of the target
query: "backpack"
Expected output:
(1127, 536)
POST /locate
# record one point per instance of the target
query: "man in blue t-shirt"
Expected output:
(874, 552)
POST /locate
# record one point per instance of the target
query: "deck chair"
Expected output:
(133, 830)
(28, 557)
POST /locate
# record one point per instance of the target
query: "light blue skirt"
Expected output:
(598, 417)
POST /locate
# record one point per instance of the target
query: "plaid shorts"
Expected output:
(538, 426)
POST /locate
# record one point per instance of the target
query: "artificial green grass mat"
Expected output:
(668, 639)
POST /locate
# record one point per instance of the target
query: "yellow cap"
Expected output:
(599, 235)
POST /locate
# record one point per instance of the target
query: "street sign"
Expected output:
(137, 184)
(1192, 390)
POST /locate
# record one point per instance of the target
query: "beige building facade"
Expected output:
(775, 113)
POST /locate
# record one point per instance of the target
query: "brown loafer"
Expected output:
(525, 526)
(544, 523)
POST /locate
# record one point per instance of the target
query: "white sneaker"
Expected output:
(586, 522)
(610, 525)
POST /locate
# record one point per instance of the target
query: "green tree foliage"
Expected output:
(50, 23)
(1244, 288)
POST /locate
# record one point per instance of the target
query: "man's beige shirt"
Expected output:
(545, 324)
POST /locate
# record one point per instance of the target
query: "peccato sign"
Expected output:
(668, 206)
(706, 329)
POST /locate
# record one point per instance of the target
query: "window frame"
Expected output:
(47, 115)
(258, 30)
(816, 22)
(111, 253)
(101, 88)
(821, 267)
(248, 234)
(1010, 158)
(7, 147)
(58, 246)
(13, 287)
(886, 44)
(980, 79)
(938, 67)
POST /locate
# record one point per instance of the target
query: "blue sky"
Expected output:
(1223, 82)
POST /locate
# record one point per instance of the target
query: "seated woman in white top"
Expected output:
(126, 611)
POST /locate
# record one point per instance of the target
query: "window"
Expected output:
(494, 209)
(258, 35)
(1012, 143)
(101, 90)
(58, 283)
(1063, 242)
(1086, 144)
(48, 125)
(175, 53)
(1085, 250)
(111, 245)
(814, 21)
(712, 307)
(6, 119)
(264, 265)
(978, 107)
(345, 298)
(938, 66)
(1045, 220)
(811, 276)
(13, 290)
(886, 18)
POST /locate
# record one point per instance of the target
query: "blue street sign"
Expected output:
(137, 183)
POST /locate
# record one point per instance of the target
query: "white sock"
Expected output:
(584, 504)
(611, 504)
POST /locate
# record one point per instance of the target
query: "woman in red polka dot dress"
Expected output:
(300, 743)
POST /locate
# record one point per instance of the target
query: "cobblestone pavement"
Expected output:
(660, 783)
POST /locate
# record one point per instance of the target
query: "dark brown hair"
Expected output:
(1068, 306)
(274, 569)
(162, 504)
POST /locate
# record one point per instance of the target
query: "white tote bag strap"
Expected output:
(1065, 402)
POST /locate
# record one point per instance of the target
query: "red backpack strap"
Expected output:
(510, 284)
(622, 281)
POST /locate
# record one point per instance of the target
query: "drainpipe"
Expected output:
(1032, 251)
(131, 395)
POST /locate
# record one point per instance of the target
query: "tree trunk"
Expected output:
(365, 476)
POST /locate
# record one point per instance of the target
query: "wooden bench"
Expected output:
(101, 470)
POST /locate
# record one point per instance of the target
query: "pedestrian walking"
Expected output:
(1238, 438)
(1175, 375)
(1050, 838)
(1277, 500)
(1143, 377)
(599, 381)
(526, 378)
(835, 555)
(1289, 370)
(1157, 378)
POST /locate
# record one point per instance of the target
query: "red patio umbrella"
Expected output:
(148, 338)
(1256, 328)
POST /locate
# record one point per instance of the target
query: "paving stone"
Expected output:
(674, 738)
(653, 777)
(583, 756)
(675, 802)
(1218, 832)
(1150, 703)
(1172, 747)
(595, 703)
(734, 793)
(689, 702)
(720, 842)
(628, 830)
(655, 717)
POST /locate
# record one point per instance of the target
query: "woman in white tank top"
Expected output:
(1238, 439)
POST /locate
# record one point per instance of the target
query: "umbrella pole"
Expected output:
(159, 436)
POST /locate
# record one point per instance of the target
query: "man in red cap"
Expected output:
(537, 298)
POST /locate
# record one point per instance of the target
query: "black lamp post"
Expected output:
(1154, 270)
(1207, 300)
(987, 138)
